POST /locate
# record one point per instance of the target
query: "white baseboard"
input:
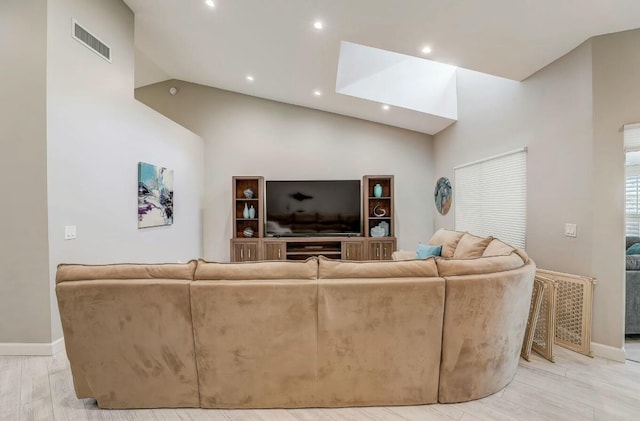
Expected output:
(50, 348)
(608, 352)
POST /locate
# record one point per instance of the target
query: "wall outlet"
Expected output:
(69, 232)
(570, 230)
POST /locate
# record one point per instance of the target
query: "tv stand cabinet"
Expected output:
(300, 248)
(249, 243)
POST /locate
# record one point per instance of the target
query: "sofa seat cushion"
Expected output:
(478, 265)
(67, 272)
(447, 239)
(471, 246)
(307, 269)
(338, 269)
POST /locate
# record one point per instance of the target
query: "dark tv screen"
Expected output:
(313, 208)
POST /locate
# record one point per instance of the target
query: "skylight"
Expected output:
(396, 79)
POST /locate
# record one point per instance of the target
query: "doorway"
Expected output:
(632, 263)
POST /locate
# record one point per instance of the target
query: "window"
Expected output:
(632, 179)
(490, 197)
(632, 210)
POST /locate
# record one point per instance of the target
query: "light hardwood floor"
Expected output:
(574, 388)
(632, 347)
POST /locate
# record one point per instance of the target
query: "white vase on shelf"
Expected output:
(252, 212)
(245, 212)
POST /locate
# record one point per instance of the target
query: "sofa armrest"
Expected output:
(403, 255)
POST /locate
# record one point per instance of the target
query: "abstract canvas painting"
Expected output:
(155, 195)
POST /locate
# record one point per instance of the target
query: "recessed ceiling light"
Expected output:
(210, 3)
(385, 107)
(250, 78)
(426, 49)
(317, 24)
(317, 93)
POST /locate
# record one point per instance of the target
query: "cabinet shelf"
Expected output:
(314, 253)
(378, 209)
(238, 186)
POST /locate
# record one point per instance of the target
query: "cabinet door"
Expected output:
(352, 250)
(275, 251)
(251, 252)
(381, 249)
(374, 250)
(245, 251)
(387, 247)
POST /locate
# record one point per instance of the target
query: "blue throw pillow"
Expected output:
(634, 249)
(425, 251)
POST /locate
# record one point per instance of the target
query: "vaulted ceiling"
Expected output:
(276, 44)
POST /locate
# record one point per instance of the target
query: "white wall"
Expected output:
(24, 264)
(96, 135)
(575, 172)
(550, 113)
(616, 101)
(250, 136)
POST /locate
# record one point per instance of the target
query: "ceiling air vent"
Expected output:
(90, 41)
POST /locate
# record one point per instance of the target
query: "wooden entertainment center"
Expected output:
(375, 208)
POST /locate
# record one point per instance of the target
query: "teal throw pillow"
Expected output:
(425, 251)
(634, 249)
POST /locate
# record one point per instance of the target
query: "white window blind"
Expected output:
(632, 137)
(490, 197)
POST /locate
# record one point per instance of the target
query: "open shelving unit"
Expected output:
(245, 248)
(378, 209)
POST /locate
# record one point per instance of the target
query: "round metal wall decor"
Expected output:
(442, 195)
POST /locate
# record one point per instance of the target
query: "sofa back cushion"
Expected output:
(68, 272)
(307, 269)
(498, 248)
(479, 265)
(338, 269)
(129, 341)
(485, 317)
(471, 246)
(256, 341)
(447, 239)
(379, 340)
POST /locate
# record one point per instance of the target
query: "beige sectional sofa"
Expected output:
(315, 333)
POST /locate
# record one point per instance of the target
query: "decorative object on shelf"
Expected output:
(378, 211)
(155, 195)
(385, 226)
(252, 212)
(248, 193)
(377, 190)
(442, 195)
(245, 212)
(377, 231)
(248, 232)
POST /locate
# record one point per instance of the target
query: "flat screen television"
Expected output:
(313, 208)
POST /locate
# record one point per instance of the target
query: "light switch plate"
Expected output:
(69, 232)
(570, 230)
